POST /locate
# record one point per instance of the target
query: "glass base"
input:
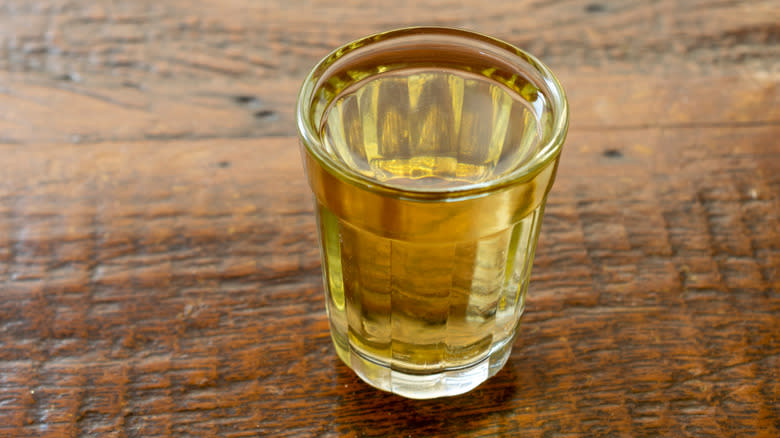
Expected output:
(425, 386)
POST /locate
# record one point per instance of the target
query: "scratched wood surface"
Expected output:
(159, 270)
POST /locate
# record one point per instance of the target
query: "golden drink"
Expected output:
(429, 190)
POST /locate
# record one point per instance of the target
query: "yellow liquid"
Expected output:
(420, 287)
(426, 129)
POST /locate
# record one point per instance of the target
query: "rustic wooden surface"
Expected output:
(159, 271)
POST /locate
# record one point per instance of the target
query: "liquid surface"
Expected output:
(430, 129)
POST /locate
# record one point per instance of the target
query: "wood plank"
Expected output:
(84, 71)
(34, 109)
(177, 258)
(200, 38)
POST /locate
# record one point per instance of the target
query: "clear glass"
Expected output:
(430, 152)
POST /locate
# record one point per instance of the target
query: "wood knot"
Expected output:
(69, 77)
(264, 114)
(595, 8)
(245, 100)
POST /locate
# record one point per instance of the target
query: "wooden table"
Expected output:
(159, 269)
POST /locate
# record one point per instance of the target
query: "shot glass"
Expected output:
(430, 153)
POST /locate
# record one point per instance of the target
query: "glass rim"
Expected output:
(548, 149)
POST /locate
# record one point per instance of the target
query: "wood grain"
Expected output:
(159, 269)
